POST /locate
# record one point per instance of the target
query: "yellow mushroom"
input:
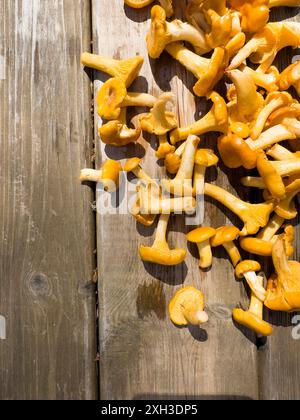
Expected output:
(204, 158)
(113, 96)
(256, 246)
(153, 202)
(253, 182)
(117, 133)
(282, 3)
(279, 152)
(208, 71)
(271, 136)
(254, 13)
(283, 291)
(270, 176)
(108, 175)
(225, 236)
(138, 4)
(182, 184)
(268, 81)
(160, 253)
(248, 269)
(290, 77)
(286, 208)
(163, 33)
(254, 216)
(269, 231)
(201, 237)
(160, 121)
(173, 160)
(215, 120)
(187, 307)
(253, 318)
(126, 70)
(164, 148)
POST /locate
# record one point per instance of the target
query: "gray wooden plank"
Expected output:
(279, 357)
(142, 355)
(47, 225)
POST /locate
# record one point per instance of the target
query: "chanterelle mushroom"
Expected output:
(160, 253)
(283, 291)
(226, 236)
(187, 307)
(116, 133)
(247, 269)
(270, 176)
(163, 33)
(108, 175)
(235, 152)
(253, 318)
(201, 237)
(126, 70)
(254, 13)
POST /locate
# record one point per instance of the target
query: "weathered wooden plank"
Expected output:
(279, 358)
(46, 221)
(142, 354)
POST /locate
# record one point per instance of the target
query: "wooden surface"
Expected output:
(48, 343)
(46, 222)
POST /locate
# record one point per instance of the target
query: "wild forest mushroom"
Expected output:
(173, 160)
(286, 207)
(279, 152)
(269, 231)
(253, 318)
(153, 202)
(164, 148)
(117, 133)
(160, 121)
(204, 158)
(225, 236)
(187, 307)
(256, 246)
(283, 290)
(215, 120)
(201, 237)
(254, 13)
(248, 269)
(268, 81)
(254, 216)
(273, 101)
(235, 152)
(270, 176)
(113, 96)
(290, 77)
(126, 70)
(163, 33)
(160, 253)
(208, 71)
(182, 184)
(108, 175)
(263, 47)
(270, 137)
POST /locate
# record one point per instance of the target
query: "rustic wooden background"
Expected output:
(49, 233)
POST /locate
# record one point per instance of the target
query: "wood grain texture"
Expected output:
(142, 355)
(279, 357)
(46, 221)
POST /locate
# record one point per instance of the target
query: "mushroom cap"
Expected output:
(172, 163)
(225, 234)
(110, 98)
(213, 75)
(292, 111)
(252, 321)
(206, 157)
(257, 246)
(132, 164)
(117, 134)
(145, 219)
(138, 4)
(187, 299)
(201, 234)
(157, 35)
(162, 256)
(111, 174)
(246, 266)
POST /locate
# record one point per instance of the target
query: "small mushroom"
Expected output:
(163, 33)
(126, 70)
(254, 216)
(160, 253)
(268, 81)
(182, 184)
(270, 137)
(164, 148)
(254, 14)
(290, 77)
(204, 158)
(279, 152)
(286, 207)
(235, 152)
(108, 175)
(117, 133)
(248, 269)
(187, 307)
(215, 120)
(256, 246)
(269, 231)
(208, 71)
(201, 237)
(270, 176)
(253, 318)
(225, 236)
(173, 160)
(113, 96)
(160, 121)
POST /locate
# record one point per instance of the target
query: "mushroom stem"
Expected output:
(255, 285)
(287, 167)
(139, 100)
(182, 31)
(91, 175)
(199, 179)
(268, 233)
(271, 136)
(164, 147)
(161, 232)
(233, 252)
(268, 81)
(205, 253)
(256, 305)
(279, 152)
(195, 318)
(281, 3)
(141, 174)
(253, 181)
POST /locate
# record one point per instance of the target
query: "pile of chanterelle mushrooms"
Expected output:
(253, 121)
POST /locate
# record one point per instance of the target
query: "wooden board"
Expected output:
(47, 297)
(142, 355)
